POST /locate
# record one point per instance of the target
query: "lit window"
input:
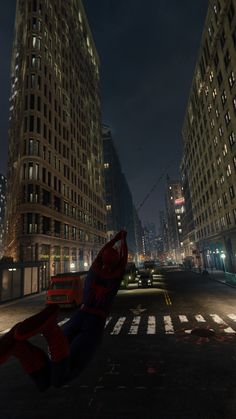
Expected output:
(221, 131)
(211, 76)
(214, 93)
(225, 151)
(222, 179)
(106, 165)
(227, 118)
(231, 79)
(232, 139)
(228, 170)
(223, 97)
(108, 207)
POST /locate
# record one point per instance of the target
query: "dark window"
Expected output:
(31, 101)
(46, 197)
(31, 125)
(38, 125)
(219, 78)
(46, 225)
(222, 39)
(39, 103)
(227, 58)
(231, 12)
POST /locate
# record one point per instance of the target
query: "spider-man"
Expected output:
(71, 347)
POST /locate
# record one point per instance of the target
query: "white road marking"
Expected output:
(183, 318)
(217, 319)
(63, 321)
(118, 326)
(134, 326)
(151, 324)
(107, 321)
(199, 318)
(232, 317)
(168, 325)
(151, 330)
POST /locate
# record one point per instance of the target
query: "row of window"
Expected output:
(34, 223)
(31, 171)
(220, 224)
(35, 194)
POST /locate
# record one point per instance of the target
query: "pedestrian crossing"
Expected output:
(169, 324)
(164, 324)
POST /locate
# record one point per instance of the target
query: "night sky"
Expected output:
(148, 52)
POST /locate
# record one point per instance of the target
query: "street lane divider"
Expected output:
(167, 299)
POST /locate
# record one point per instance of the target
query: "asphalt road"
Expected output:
(150, 365)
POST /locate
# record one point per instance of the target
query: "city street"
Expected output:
(149, 365)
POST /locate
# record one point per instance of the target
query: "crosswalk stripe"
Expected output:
(199, 318)
(151, 329)
(134, 326)
(219, 320)
(232, 317)
(118, 326)
(168, 325)
(183, 318)
(108, 321)
(151, 322)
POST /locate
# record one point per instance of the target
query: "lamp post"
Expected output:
(223, 256)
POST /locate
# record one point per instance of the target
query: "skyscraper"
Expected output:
(3, 182)
(175, 211)
(55, 199)
(119, 201)
(209, 134)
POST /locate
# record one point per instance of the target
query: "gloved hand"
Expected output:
(121, 235)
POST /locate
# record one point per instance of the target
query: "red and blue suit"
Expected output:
(73, 345)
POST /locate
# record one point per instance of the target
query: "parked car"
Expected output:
(129, 275)
(145, 279)
(66, 289)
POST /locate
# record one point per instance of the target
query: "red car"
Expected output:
(66, 289)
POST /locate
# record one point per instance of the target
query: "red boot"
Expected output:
(31, 357)
(44, 320)
(7, 343)
(45, 323)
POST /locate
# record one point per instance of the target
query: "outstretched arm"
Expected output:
(97, 263)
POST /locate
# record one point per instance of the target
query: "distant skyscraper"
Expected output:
(55, 201)
(119, 202)
(209, 135)
(3, 182)
(175, 211)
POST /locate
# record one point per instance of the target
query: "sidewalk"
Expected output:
(226, 278)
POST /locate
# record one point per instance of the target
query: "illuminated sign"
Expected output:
(179, 201)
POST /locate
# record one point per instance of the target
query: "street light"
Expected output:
(223, 256)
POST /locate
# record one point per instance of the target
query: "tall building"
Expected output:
(55, 199)
(174, 211)
(119, 201)
(150, 233)
(3, 182)
(209, 136)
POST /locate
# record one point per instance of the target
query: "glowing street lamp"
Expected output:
(223, 256)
